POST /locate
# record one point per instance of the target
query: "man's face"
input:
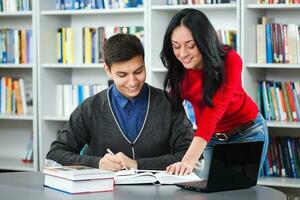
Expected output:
(129, 76)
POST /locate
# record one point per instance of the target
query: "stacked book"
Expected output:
(78, 179)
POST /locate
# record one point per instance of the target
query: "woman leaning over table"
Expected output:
(208, 75)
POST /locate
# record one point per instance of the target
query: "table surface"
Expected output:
(29, 185)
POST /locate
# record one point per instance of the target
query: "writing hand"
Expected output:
(109, 162)
(126, 161)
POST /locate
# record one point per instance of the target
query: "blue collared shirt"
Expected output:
(130, 113)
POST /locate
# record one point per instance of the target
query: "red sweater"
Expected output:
(231, 105)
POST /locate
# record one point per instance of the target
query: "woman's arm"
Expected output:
(190, 158)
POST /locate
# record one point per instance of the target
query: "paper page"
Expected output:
(138, 178)
(165, 178)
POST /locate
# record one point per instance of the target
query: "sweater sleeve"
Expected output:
(70, 141)
(209, 117)
(181, 135)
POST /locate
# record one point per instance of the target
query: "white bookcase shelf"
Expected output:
(16, 14)
(19, 66)
(15, 129)
(273, 6)
(15, 164)
(273, 66)
(253, 72)
(16, 117)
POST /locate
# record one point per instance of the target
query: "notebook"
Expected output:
(151, 177)
(233, 166)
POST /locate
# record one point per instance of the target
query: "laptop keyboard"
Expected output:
(194, 185)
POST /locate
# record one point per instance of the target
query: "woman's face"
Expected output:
(185, 49)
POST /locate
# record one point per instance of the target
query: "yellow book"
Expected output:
(70, 47)
(9, 93)
(88, 46)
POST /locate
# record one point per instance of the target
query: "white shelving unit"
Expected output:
(160, 16)
(51, 73)
(281, 13)
(15, 130)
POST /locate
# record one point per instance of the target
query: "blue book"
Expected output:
(269, 48)
(99, 4)
(80, 93)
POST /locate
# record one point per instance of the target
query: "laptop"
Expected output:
(233, 166)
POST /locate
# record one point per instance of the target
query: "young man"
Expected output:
(132, 119)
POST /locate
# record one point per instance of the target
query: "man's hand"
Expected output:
(116, 162)
(126, 161)
(109, 162)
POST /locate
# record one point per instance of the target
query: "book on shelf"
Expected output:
(96, 4)
(279, 100)
(283, 157)
(15, 5)
(78, 179)
(151, 177)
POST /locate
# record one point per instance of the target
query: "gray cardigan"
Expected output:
(163, 139)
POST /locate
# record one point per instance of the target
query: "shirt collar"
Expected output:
(123, 101)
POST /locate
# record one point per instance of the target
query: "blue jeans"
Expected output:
(257, 132)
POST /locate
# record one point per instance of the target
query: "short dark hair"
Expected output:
(207, 42)
(122, 47)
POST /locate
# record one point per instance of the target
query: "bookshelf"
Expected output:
(16, 129)
(253, 71)
(52, 73)
(159, 16)
(44, 73)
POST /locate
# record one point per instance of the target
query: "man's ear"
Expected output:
(107, 70)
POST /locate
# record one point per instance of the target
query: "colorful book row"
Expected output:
(277, 43)
(278, 1)
(91, 41)
(195, 2)
(15, 5)
(12, 96)
(283, 157)
(16, 46)
(68, 96)
(279, 100)
(96, 4)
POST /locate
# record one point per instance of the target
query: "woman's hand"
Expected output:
(180, 168)
(190, 159)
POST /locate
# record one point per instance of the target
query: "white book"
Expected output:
(78, 179)
(148, 176)
(16, 47)
(59, 100)
(67, 91)
(78, 172)
(3, 95)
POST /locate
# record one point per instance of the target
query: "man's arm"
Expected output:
(181, 135)
(70, 141)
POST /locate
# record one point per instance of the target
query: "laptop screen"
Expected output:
(234, 165)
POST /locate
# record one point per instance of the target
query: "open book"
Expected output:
(146, 177)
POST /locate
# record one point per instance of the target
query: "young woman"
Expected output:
(208, 75)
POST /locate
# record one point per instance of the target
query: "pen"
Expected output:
(111, 153)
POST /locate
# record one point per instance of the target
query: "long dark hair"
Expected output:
(213, 54)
